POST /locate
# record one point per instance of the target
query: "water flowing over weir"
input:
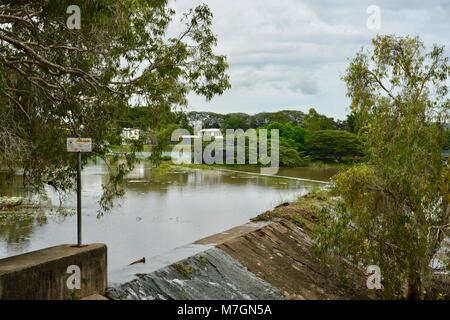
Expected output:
(270, 261)
(212, 274)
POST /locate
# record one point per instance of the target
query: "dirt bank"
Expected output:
(280, 253)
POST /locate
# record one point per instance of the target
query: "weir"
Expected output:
(254, 261)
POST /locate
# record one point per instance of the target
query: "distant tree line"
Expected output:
(311, 121)
(303, 137)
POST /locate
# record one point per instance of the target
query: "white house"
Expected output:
(130, 134)
(210, 133)
(214, 133)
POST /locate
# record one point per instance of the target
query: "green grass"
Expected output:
(299, 221)
(184, 269)
(303, 212)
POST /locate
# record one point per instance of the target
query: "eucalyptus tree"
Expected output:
(59, 78)
(394, 210)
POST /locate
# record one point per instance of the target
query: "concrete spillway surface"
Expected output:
(212, 274)
(253, 261)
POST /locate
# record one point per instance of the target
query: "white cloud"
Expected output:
(291, 53)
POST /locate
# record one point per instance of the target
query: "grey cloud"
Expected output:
(290, 53)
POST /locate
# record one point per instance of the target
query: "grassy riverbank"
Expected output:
(304, 212)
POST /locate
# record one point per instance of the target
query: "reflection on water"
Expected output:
(16, 228)
(162, 210)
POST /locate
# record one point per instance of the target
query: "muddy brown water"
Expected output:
(164, 209)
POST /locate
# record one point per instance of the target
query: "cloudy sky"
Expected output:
(290, 54)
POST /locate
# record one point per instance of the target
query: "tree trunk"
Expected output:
(414, 287)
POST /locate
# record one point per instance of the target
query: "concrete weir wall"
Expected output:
(56, 273)
(212, 274)
(269, 261)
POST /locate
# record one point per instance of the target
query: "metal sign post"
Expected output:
(79, 145)
(79, 198)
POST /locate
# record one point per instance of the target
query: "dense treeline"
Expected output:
(317, 138)
(312, 120)
(303, 137)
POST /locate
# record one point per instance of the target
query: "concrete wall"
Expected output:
(254, 261)
(44, 274)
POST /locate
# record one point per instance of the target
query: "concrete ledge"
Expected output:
(271, 260)
(44, 274)
(232, 233)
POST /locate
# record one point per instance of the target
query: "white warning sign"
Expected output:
(79, 145)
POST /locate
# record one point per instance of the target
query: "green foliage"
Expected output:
(292, 139)
(216, 120)
(56, 82)
(446, 139)
(394, 210)
(182, 120)
(289, 156)
(139, 118)
(236, 121)
(207, 119)
(350, 124)
(145, 119)
(284, 116)
(314, 121)
(291, 134)
(333, 144)
(184, 269)
(161, 140)
(298, 220)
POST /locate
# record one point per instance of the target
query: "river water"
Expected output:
(163, 209)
